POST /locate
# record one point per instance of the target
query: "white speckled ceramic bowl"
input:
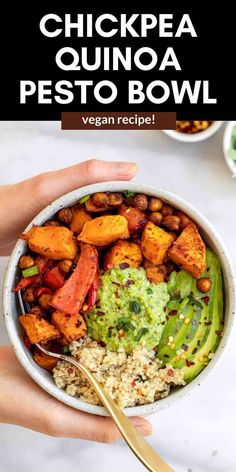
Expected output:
(11, 308)
(195, 137)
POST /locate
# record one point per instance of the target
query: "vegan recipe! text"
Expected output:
(126, 283)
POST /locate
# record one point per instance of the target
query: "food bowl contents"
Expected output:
(232, 150)
(126, 283)
(192, 127)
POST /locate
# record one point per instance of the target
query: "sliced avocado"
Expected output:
(194, 332)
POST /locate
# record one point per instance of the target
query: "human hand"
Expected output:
(20, 202)
(24, 403)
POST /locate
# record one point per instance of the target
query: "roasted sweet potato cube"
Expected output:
(155, 243)
(123, 252)
(54, 242)
(189, 251)
(43, 360)
(135, 217)
(71, 326)
(79, 218)
(38, 329)
(104, 230)
(155, 274)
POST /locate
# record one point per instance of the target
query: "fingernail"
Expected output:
(126, 168)
(143, 427)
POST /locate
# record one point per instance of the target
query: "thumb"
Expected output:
(57, 183)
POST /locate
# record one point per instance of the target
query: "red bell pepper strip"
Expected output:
(40, 290)
(93, 292)
(23, 283)
(70, 297)
(54, 278)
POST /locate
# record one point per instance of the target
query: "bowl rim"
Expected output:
(196, 137)
(226, 146)
(12, 327)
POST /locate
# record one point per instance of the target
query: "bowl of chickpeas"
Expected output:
(194, 131)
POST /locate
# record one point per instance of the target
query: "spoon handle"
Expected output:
(143, 451)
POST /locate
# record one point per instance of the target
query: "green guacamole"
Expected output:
(130, 310)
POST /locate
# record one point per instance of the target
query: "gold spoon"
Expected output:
(143, 451)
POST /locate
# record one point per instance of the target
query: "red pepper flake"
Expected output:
(189, 363)
(207, 323)
(129, 282)
(206, 300)
(172, 313)
(164, 309)
(124, 265)
(219, 333)
(116, 293)
(133, 383)
(70, 370)
(118, 284)
(170, 372)
(100, 313)
(101, 343)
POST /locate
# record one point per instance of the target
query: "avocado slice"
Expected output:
(194, 320)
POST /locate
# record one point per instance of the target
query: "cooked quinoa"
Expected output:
(130, 379)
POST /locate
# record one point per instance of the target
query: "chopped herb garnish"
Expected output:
(109, 335)
(84, 199)
(135, 306)
(129, 194)
(149, 290)
(125, 324)
(30, 272)
(141, 333)
(140, 378)
(66, 350)
(193, 301)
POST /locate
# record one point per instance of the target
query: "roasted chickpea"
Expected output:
(65, 215)
(25, 262)
(184, 219)
(52, 223)
(172, 222)
(37, 310)
(65, 265)
(156, 217)
(204, 284)
(167, 210)
(100, 199)
(28, 295)
(140, 202)
(115, 199)
(155, 204)
(45, 300)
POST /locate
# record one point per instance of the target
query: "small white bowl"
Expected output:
(11, 308)
(195, 137)
(227, 145)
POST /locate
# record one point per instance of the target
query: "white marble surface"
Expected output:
(198, 433)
